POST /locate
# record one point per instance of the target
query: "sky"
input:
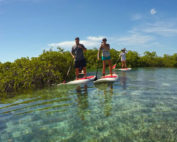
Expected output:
(27, 27)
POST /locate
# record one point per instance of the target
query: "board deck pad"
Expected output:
(107, 78)
(82, 80)
(88, 77)
(124, 69)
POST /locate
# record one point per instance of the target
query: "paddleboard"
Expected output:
(124, 69)
(107, 78)
(82, 80)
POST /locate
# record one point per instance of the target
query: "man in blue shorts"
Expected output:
(78, 55)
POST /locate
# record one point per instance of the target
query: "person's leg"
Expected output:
(77, 73)
(122, 64)
(110, 66)
(80, 69)
(83, 65)
(104, 66)
(76, 65)
(125, 65)
(85, 72)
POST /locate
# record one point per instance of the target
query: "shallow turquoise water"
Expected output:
(140, 107)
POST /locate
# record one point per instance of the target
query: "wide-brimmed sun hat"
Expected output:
(124, 49)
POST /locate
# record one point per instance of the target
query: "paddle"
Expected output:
(114, 66)
(96, 72)
(68, 71)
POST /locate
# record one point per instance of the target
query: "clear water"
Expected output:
(140, 107)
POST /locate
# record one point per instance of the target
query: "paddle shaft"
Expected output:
(117, 60)
(115, 63)
(68, 71)
(96, 71)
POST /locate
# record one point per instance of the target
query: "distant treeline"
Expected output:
(51, 67)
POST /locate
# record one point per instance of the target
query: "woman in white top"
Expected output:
(105, 48)
(123, 58)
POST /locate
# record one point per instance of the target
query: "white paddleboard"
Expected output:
(107, 78)
(124, 69)
(82, 80)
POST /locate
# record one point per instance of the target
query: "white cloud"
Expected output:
(95, 38)
(153, 11)
(139, 42)
(144, 37)
(163, 31)
(133, 40)
(136, 17)
(90, 42)
(130, 40)
(64, 44)
(165, 28)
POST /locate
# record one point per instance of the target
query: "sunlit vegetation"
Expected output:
(51, 67)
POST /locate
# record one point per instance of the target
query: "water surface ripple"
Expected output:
(140, 106)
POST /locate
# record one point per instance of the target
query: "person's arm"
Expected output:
(120, 54)
(83, 47)
(72, 53)
(98, 54)
(108, 46)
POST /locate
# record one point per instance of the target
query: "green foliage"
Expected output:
(149, 59)
(133, 59)
(91, 57)
(51, 67)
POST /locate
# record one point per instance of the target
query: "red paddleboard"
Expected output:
(107, 78)
(82, 80)
(124, 69)
(88, 77)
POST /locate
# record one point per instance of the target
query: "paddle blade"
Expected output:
(63, 83)
(114, 66)
(95, 78)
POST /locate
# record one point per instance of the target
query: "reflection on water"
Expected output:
(107, 89)
(123, 79)
(82, 100)
(140, 106)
